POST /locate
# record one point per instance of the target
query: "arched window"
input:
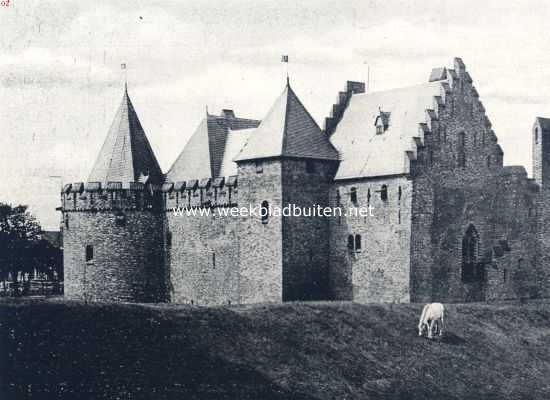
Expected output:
(357, 243)
(264, 212)
(351, 243)
(470, 250)
(353, 196)
(384, 193)
(89, 253)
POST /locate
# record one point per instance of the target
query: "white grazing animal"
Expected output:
(432, 315)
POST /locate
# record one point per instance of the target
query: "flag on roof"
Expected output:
(284, 58)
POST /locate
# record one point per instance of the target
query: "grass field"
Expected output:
(61, 350)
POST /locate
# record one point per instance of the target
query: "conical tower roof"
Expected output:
(126, 155)
(288, 130)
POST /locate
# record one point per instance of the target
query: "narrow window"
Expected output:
(351, 243)
(353, 196)
(462, 139)
(462, 159)
(470, 249)
(264, 212)
(444, 131)
(384, 193)
(213, 260)
(259, 167)
(89, 253)
(399, 216)
(483, 138)
(368, 197)
(399, 192)
(488, 161)
(536, 135)
(310, 167)
(66, 221)
(338, 197)
(505, 275)
(169, 239)
(358, 243)
(475, 139)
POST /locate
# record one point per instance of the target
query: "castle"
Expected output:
(450, 222)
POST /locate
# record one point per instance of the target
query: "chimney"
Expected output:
(228, 114)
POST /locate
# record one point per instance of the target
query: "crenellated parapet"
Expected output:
(94, 197)
(200, 193)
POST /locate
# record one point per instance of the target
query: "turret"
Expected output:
(113, 223)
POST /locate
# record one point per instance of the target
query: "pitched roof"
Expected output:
(288, 130)
(126, 154)
(364, 152)
(210, 151)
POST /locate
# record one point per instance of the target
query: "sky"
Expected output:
(61, 81)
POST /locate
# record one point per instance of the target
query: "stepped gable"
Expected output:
(289, 131)
(126, 155)
(210, 151)
(363, 151)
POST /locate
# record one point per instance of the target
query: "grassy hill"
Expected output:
(55, 350)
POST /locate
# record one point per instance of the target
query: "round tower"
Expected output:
(113, 223)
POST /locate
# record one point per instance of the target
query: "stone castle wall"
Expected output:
(458, 182)
(380, 270)
(306, 238)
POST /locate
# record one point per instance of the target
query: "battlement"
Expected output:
(195, 193)
(93, 196)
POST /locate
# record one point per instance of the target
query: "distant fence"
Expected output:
(31, 288)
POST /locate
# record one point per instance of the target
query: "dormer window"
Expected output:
(382, 122)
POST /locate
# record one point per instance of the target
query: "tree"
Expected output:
(19, 237)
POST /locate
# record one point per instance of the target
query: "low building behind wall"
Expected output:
(447, 220)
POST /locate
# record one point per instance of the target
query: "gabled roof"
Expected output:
(288, 130)
(210, 151)
(126, 155)
(365, 153)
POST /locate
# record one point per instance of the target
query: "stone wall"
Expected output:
(127, 256)
(459, 181)
(306, 238)
(380, 270)
(261, 244)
